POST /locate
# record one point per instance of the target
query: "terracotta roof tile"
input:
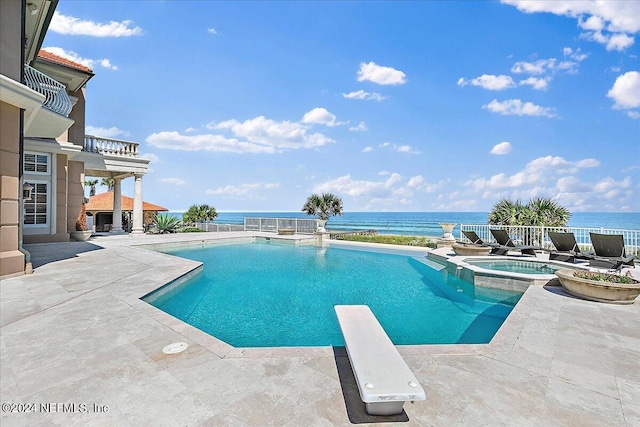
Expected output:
(104, 203)
(63, 61)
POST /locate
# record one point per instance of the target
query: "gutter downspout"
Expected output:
(28, 268)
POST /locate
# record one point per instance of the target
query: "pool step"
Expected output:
(430, 263)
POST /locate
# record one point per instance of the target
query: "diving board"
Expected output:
(384, 380)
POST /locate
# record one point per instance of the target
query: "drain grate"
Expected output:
(176, 347)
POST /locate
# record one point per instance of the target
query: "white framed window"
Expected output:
(36, 210)
(37, 163)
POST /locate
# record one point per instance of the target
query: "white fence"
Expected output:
(270, 225)
(213, 227)
(299, 225)
(537, 236)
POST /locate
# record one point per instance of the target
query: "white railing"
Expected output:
(299, 225)
(537, 236)
(213, 227)
(109, 146)
(56, 98)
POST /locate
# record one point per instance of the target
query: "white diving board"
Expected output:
(383, 377)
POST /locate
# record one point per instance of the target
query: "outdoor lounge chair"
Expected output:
(609, 251)
(496, 249)
(567, 248)
(504, 240)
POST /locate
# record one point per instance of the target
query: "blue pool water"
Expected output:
(516, 266)
(271, 295)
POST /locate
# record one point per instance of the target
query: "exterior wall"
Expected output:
(75, 193)
(11, 38)
(75, 134)
(11, 259)
(61, 196)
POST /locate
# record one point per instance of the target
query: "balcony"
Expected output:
(56, 98)
(110, 147)
(51, 118)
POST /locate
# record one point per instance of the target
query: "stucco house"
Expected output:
(44, 151)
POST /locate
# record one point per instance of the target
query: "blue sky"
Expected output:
(394, 106)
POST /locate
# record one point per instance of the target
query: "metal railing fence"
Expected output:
(56, 98)
(299, 225)
(537, 236)
(270, 225)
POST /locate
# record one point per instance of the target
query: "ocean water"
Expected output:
(426, 223)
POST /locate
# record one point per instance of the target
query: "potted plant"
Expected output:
(323, 207)
(598, 286)
(82, 232)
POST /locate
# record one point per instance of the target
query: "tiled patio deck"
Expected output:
(75, 332)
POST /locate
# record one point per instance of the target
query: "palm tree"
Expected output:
(199, 213)
(108, 182)
(507, 212)
(543, 211)
(323, 206)
(92, 186)
(539, 212)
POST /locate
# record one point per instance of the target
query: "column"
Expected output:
(137, 205)
(117, 206)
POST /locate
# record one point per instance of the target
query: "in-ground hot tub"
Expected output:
(507, 273)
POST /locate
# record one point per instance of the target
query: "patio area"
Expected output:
(75, 334)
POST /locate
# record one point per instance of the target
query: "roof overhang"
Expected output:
(37, 19)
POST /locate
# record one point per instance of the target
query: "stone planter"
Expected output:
(286, 231)
(465, 249)
(595, 290)
(80, 236)
(321, 225)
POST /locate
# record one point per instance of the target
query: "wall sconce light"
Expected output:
(26, 191)
(33, 9)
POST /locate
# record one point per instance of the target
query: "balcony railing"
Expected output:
(108, 146)
(56, 98)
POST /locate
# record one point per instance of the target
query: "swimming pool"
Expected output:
(275, 295)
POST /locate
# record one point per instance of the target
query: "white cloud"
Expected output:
(415, 181)
(173, 181)
(258, 135)
(111, 132)
(536, 172)
(362, 126)
(536, 83)
(242, 189)
(489, 82)
(626, 91)
(72, 56)
(361, 94)
(212, 31)
(617, 18)
(380, 74)
(321, 116)
(518, 108)
(190, 129)
(501, 148)
(399, 148)
(538, 67)
(633, 114)
(69, 25)
(367, 149)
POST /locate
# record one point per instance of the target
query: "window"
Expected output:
(36, 209)
(36, 163)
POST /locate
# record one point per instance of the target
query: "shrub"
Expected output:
(626, 279)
